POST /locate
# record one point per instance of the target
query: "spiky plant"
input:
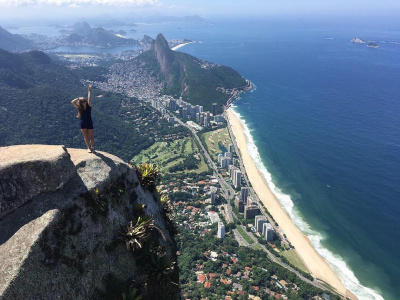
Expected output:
(135, 234)
(132, 295)
(148, 175)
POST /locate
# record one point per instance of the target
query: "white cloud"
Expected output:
(177, 7)
(77, 3)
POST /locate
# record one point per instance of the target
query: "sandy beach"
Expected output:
(318, 267)
(180, 45)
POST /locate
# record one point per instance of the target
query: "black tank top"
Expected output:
(86, 116)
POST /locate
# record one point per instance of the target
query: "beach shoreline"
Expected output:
(314, 262)
(181, 45)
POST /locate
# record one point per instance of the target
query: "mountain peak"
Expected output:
(13, 42)
(165, 56)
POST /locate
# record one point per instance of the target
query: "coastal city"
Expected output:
(213, 199)
(231, 237)
(210, 192)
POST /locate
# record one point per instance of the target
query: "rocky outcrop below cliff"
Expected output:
(64, 214)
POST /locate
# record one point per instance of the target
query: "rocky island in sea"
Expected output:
(357, 40)
(372, 45)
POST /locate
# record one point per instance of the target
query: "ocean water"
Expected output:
(324, 129)
(323, 125)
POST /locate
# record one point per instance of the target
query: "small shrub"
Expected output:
(148, 175)
(136, 233)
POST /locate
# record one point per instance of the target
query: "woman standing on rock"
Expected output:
(85, 113)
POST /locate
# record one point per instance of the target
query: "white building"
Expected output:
(237, 178)
(259, 222)
(268, 231)
(220, 156)
(221, 230)
(213, 256)
(205, 122)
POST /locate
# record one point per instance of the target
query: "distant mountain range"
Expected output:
(198, 82)
(83, 32)
(13, 42)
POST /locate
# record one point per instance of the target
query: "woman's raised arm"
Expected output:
(75, 102)
(89, 95)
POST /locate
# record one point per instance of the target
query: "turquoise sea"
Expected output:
(324, 128)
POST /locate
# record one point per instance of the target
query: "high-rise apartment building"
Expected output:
(214, 109)
(259, 222)
(244, 193)
(221, 230)
(268, 231)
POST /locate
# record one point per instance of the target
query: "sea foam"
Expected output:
(336, 262)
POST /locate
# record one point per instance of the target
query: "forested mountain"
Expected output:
(13, 42)
(35, 107)
(197, 81)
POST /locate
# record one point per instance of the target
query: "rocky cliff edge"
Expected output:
(61, 212)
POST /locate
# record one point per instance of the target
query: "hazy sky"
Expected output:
(80, 8)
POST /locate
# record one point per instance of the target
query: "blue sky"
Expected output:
(31, 8)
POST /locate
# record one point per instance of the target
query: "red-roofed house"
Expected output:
(207, 284)
(225, 281)
(228, 271)
(240, 292)
(201, 278)
(212, 275)
(278, 296)
(234, 260)
(255, 288)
